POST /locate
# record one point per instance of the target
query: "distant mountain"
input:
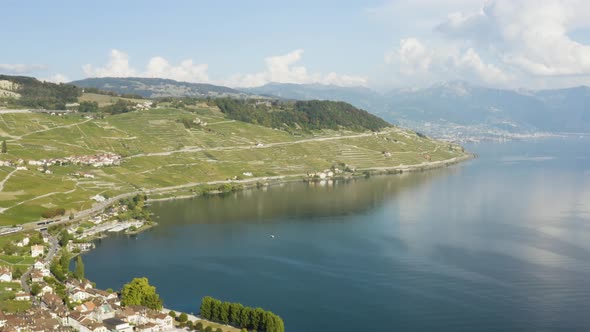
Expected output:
(158, 87)
(458, 109)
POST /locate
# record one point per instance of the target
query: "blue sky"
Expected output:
(378, 43)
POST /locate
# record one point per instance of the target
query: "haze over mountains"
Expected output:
(453, 110)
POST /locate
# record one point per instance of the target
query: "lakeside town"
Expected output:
(47, 296)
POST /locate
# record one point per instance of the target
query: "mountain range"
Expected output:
(452, 110)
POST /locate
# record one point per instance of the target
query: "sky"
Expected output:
(381, 44)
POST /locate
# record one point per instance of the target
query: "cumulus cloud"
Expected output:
(18, 68)
(531, 35)
(416, 62)
(281, 68)
(56, 78)
(503, 42)
(117, 66)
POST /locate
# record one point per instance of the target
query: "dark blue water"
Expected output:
(500, 243)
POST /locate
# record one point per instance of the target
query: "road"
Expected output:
(47, 260)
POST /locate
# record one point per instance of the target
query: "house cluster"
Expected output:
(38, 319)
(39, 271)
(199, 122)
(101, 311)
(325, 174)
(97, 160)
(146, 105)
(94, 310)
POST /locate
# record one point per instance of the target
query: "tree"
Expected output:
(219, 330)
(182, 318)
(172, 314)
(234, 313)
(88, 106)
(255, 318)
(18, 272)
(216, 310)
(140, 292)
(79, 272)
(4, 148)
(64, 238)
(245, 317)
(189, 325)
(208, 329)
(199, 326)
(35, 289)
(206, 307)
(224, 313)
(64, 262)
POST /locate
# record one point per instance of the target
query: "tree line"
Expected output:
(239, 315)
(40, 94)
(307, 115)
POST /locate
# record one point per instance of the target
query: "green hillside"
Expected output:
(168, 147)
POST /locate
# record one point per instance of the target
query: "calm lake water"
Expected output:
(499, 243)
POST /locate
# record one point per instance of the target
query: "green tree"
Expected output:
(79, 272)
(255, 318)
(88, 106)
(199, 326)
(182, 318)
(64, 238)
(35, 289)
(216, 310)
(18, 272)
(189, 325)
(234, 313)
(57, 270)
(219, 330)
(208, 329)
(4, 147)
(64, 261)
(140, 292)
(224, 313)
(245, 317)
(206, 307)
(172, 314)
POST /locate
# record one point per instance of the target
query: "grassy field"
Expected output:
(159, 152)
(7, 302)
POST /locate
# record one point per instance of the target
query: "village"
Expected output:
(73, 304)
(98, 160)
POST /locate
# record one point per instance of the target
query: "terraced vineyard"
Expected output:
(159, 151)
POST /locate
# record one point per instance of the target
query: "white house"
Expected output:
(5, 273)
(23, 242)
(79, 295)
(39, 265)
(98, 198)
(37, 250)
(46, 289)
(22, 297)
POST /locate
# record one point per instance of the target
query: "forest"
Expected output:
(44, 95)
(307, 115)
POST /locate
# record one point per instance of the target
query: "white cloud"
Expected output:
(414, 62)
(502, 42)
(186, 71)
(56, 78)
(118, 66)
(281, 68)
(531, 35)
(18, 68)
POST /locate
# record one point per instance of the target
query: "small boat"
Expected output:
(272, 236)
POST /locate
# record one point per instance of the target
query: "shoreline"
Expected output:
(247, 183)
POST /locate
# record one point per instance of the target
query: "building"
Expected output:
(37, 250)
(5, 273)
(115, 324)
(22, 297)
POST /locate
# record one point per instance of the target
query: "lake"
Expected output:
(498, 243)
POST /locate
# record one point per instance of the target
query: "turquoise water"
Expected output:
(499, 243)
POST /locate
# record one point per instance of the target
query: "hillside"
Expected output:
(28, 92)
(49, 160)
(307, 115)
(458, 109)
(158, 87)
